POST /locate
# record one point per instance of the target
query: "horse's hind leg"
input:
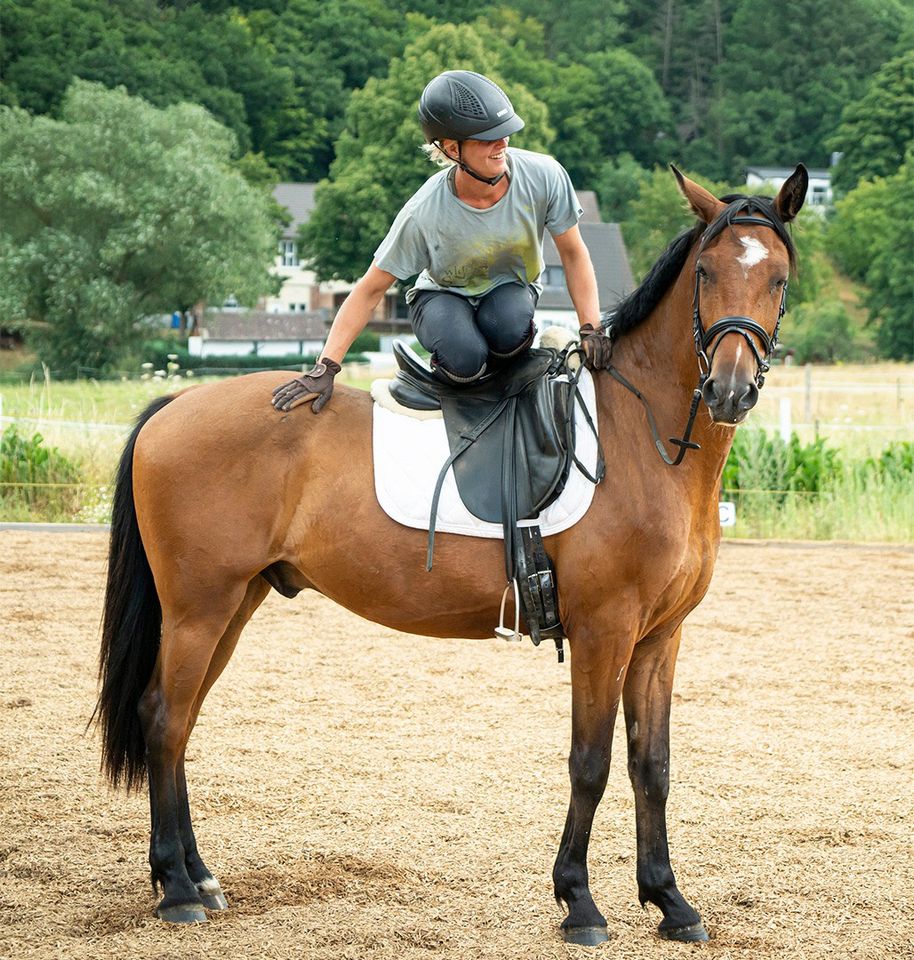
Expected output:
(192, 634)
(646, 696)
(207, 885)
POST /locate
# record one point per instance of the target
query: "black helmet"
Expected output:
(462, 105)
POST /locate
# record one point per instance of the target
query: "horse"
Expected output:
(220, 498)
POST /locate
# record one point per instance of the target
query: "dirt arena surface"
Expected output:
(367, 794)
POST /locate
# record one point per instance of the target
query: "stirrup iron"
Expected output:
(501, 630)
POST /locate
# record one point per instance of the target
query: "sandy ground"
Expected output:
(366, 794)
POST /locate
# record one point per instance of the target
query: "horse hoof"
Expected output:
(585, 936)
(182, 913)
(694, 933)
(211, 895)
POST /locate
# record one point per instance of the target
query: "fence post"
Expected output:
(807, 409)
(786, 424)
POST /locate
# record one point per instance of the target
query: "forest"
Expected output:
(139, 134)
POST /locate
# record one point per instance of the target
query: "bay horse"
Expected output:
(219, 498)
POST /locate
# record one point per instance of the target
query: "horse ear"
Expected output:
(705, 205)
(792, 194)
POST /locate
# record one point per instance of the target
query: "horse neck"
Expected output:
(658, 357)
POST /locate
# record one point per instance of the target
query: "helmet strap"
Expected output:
(491, 181)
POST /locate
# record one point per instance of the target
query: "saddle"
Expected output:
(511, 438)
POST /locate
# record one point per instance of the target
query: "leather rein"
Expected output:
(707, 343)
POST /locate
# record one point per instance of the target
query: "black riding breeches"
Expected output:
(464, 339)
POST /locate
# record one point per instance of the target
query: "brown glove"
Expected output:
(316, 385)
(598, 348)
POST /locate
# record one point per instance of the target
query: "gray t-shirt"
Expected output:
(464, 250)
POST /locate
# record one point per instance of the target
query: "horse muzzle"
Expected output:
(729, 400)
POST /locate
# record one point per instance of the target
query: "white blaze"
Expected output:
(756, 251)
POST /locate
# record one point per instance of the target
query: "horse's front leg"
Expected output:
(647, 692)
(597, 668)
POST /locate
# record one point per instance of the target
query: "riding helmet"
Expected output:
(462, 105)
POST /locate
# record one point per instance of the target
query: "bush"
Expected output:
(243, 363)
(821, 333)
(36, 481)
(759, 462)
(895, 462)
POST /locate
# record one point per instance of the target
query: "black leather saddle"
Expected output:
(510, 434)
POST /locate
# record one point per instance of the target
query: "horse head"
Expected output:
(743, 260)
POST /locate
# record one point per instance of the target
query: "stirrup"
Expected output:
(505, 633)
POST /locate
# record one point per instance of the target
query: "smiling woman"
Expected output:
(473, 237)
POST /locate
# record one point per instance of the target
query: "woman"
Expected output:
(474, 234)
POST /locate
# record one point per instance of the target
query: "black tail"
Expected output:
(131, 629)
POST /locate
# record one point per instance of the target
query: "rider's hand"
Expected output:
(598, 348)
(316, 385)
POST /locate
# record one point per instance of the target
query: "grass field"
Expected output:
(858, 409)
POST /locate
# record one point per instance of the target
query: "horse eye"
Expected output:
(702, 272)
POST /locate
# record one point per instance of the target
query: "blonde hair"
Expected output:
(437, 155)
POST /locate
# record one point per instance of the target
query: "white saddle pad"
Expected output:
(409, 454)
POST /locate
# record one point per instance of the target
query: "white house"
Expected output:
(819, 194)
(258, 333)
(301, 292)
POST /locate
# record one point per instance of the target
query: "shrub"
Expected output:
(243, 363)
(36, 481)
(759, 462)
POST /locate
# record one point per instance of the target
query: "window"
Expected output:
(288, 251)
(554, 278)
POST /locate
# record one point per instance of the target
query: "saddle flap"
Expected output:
(412, 364)
(526, 441)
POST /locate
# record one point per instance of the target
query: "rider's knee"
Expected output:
(462, 365)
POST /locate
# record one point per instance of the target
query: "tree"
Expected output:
(167, 56)
(604, 105)
(872, 237)
(877, 129)
(117, 211)
(782, 93)
(657, 215)
(378, 163)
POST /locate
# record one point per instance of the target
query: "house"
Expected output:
(610, 263)
(236, 332)
(818, 196)
(301, 291)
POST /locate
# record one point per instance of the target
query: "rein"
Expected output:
(705, 339)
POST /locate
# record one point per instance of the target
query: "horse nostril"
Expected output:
(709, 393)
(749, 398)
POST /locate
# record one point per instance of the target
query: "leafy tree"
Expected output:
(379, 164)
(821, 332)
(876, 130)
(116, 211)
(657, 215)
(575, 27)
(782, 90)
(603, 105)
(871, 238)
(618, 183)
(167, 56)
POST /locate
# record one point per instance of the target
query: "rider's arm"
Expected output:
(356, 311)
(579, 275)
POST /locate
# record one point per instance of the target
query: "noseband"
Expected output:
(708, 341)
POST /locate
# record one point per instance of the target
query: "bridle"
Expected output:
(707, 343)
(714, 335)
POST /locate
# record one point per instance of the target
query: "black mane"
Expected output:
(637, 306)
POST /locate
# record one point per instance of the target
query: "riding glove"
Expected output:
(316, 384)
(598, 348)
